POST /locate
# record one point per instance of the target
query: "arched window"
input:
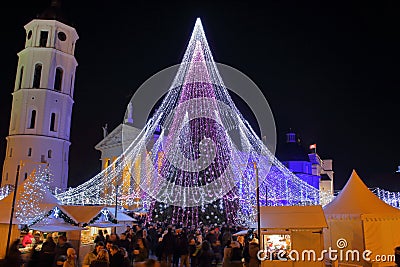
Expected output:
(53, 122)
(10, 154)
(49, 153)
(37, 76)
(21, 73)
(33, 120)
(44, 35)
(29, 152)
(26, 176)
(58, 79)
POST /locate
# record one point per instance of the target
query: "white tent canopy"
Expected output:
(54, 225)
(121, 217)
(48, 201)
(363, 220)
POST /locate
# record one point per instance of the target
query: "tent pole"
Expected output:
(116, 204)
(12, 208)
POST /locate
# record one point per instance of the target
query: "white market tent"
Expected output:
(363, 220)
(122, 219)
(47, 202)
(304, 224)
(121, 216)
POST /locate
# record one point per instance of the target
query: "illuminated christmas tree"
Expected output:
(206, 158)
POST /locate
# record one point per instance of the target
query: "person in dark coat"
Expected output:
(14, 257)
(35, 253)
(61, 251)
(168, 247)
(116, 258)
(102, 259)
(183, 246)
(141, 252)
(236, 255)
(100, 237)
(47, 252)
(205, 256)
(124, 242)
(397, 255)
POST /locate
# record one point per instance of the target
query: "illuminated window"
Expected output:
(58, 79)
(32, 120)
(277, 244)
(53, 122)
(29, 152)
(21, 73)
(44, 35)
(37, 76)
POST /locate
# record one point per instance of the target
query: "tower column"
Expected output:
(42, 100)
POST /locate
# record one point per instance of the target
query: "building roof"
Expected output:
(355, 198)
(122, 133)
(292, 217)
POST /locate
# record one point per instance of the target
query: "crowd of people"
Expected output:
(175, 246)
(153, 244)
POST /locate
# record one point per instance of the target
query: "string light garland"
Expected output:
(6, 190)
(29, 207)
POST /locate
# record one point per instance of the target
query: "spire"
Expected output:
(53, 12)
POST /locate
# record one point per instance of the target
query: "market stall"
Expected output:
(286, 230)
(42, 201)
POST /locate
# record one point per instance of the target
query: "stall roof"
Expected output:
(47, 202)
(121, 217)
(105, 224)
(81, 214)
(54, 225)
(292, 217)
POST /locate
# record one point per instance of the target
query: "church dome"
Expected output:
(292, 150)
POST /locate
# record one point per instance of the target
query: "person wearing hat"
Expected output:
(253, 250)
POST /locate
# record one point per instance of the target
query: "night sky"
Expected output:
(331, 73)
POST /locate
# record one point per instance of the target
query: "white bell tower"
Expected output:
(42, 100)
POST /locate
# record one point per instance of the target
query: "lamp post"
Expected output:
(258, 205)
(12, 206)
(116, 204)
